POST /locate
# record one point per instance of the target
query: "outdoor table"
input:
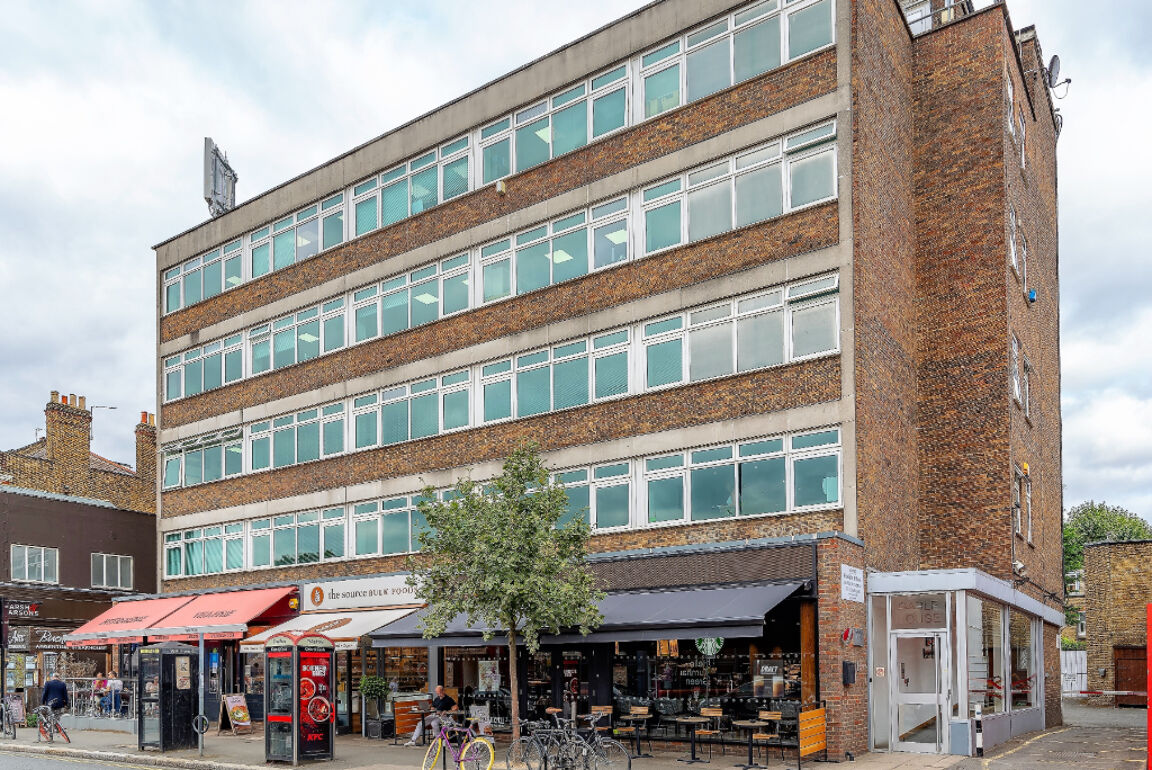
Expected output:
(424, 714)
(638, 721)
(693, 723)
(751, 725)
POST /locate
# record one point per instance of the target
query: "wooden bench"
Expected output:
(768, 740)
(714, 730)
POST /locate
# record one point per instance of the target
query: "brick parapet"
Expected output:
(739, 105)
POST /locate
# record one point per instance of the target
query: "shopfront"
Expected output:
(739, 646)
(220, 619)
(346, 611)
(950, 648)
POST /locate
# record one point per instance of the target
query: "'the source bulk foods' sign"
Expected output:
(358, 594)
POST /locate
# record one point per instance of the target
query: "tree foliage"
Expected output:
(498, 555)
(1091, 522)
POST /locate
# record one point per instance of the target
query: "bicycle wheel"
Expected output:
(610, 754)
(60, 729)
(432, 755)
(525, 754)
(45, 733)
(477, 754)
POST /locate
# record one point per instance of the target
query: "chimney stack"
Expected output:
(68, 438)
(146, 451)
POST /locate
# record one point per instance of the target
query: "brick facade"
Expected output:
(1118, 589)
(62, 462)
(928, 300)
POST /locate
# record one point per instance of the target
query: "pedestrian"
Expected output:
(442, 703)
(55, 695)
(115, 685)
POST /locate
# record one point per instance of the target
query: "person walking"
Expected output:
(115, 685)
(55, 695)
(441, 704)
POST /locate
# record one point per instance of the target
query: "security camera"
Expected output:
(1019, 568)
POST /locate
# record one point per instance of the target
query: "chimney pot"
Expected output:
(71, 399)
(143, 418)
(83, 402)
(152, 419)
(55, 396)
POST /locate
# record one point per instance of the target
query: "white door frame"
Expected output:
(941, 698)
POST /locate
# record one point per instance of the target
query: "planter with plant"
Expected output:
(375, 691)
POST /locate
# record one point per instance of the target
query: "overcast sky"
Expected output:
(104, 106)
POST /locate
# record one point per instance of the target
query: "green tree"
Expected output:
(498, 555)
(1091, 522)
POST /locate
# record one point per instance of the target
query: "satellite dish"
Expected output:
(1054, 72)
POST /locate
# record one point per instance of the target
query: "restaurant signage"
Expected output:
(18, 638)
(22, 609)
(52, 640)
(366, 593)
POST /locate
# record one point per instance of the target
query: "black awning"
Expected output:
(730, 611)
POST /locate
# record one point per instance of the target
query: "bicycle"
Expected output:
(475, 752)
(7, 723)
(531, 749)
(587, 747)
(48, 725)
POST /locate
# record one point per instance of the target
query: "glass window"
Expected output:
(757, 49)
(662, 91)
(713, 492)
(497, 400)
(665, 363)
(763, 487)
(395, 532)
(709, 69)
(709, 211)
(665, 499)
(1024, 677)
(609, 112)
(533, 144)
(367, 535)
(570, 383)
(759, 195)
(809, 28)
(816, 480)
(813, 178)
(985, 655)
(710, 352)
(533, 388)
(662, 227)
(612, 506)
(497, 160)
(570, 128)
(760, 341)
(814, 329)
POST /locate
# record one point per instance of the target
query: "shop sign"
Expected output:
(851, 583)
(22, 609)
(18, 638)
(362, 594)
(53, 640)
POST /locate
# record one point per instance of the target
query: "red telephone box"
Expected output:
(299, 709)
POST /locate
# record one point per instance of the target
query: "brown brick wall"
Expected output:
(1118, 588)
(884, 292)
(963, 382)
(67, 469)
(847, 704)
(732, 252)
(742, 104)
(1035, 439)
(786, 387)
(1053, 710)
(658, 537)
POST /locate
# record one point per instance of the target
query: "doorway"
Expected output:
(920, 691)
(1131, 674)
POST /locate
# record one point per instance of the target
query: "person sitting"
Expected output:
(100, 692)
(115, 686)
(441, 704)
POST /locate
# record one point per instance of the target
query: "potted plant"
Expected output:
(375, 691)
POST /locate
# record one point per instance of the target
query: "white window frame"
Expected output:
(44, 553)
(116, 560)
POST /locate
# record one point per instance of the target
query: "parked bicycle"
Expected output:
(589, 747)
(469, 750)
(49, 725)
(537, 740)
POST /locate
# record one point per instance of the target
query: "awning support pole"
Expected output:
(200, 735)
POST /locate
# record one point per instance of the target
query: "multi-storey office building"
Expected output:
(773, 285)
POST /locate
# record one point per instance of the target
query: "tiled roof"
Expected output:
(39, 451)
(53, 496)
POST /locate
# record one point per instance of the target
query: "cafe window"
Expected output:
(986, 654)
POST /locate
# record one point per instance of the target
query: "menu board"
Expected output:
(234, 715)
(316, 709)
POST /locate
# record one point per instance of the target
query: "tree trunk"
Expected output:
(513, 684)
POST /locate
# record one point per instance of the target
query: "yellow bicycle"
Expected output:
(475, 752)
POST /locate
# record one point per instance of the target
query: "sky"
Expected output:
(104, 107)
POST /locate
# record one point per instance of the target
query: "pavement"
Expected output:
(1092, 738)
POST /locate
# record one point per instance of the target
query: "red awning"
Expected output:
(217, 616)
(126, 622)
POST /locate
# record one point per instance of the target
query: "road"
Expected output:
(11, 760)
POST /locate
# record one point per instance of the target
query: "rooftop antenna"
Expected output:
(219, 180)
